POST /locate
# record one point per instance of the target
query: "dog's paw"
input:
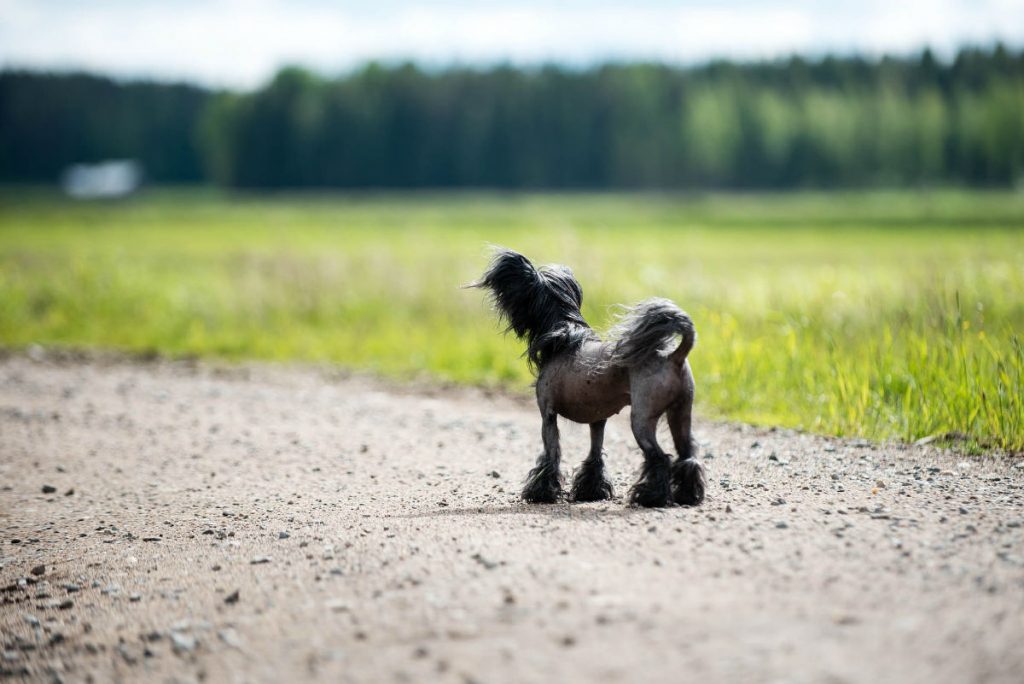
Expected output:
(688, 482)
(590, 484)
(651, 494)
(543, 485)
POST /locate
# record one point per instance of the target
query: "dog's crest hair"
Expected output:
(541, 305)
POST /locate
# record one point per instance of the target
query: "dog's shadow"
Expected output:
(566, 510)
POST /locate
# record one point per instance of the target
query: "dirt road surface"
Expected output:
(168, 522)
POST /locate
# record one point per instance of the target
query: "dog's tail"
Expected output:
(541, 305)
(647, 329)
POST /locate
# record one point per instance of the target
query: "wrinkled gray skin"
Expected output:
(585, 388)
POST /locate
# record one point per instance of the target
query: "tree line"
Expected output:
(831, 122)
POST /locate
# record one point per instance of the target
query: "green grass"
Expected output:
(879, 315)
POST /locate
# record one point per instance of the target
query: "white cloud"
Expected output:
(242, 42)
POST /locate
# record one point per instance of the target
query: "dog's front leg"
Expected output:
(544, 483)
(590, 483)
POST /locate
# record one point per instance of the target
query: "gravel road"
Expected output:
(183, 522)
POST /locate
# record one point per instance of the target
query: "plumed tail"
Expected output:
(540, 305)
(648, 329)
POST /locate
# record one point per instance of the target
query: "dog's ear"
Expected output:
(565, 284)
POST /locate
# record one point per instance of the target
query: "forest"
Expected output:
(792, 123)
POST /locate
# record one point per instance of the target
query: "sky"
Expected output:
(241, 43)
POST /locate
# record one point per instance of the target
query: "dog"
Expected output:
(585, 379)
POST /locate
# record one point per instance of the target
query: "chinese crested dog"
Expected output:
(587, 380)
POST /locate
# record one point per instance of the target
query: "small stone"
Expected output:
(260, 560)
(49, 489)
(963, 511)
(38, 570)
(337, 605)
(779, 502)
(495, 474)
(70, 492)
(728, 508)
(230, 637)
(182, 643)
(231, 598)
(135, 598)
(283, 535)
(31, 619)
(65, 604)
(127, 654)
(72, 588)
(782, 524)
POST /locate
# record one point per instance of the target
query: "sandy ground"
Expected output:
(275, 524)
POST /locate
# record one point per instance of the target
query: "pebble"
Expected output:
(127, 654)
(283, 535)
(260, 560)
(230, 637)
(38, 570)
(337, 605)
(49, 489)
(232, 597)
(182, 643)
(782, 524)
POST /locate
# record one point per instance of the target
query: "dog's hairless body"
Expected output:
(587, 380)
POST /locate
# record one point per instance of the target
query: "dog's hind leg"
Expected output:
(544, 483)
(653, 489)
(590, 483)
(687, 472)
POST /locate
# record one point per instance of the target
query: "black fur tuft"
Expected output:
(544, 483)
(688, 482)
(648, 328)
(590, 484)
(654, 488)
(540, 305)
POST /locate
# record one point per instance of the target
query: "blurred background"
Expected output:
(496, 94)
(832, 189)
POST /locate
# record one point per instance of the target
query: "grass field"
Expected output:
(880, 315)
